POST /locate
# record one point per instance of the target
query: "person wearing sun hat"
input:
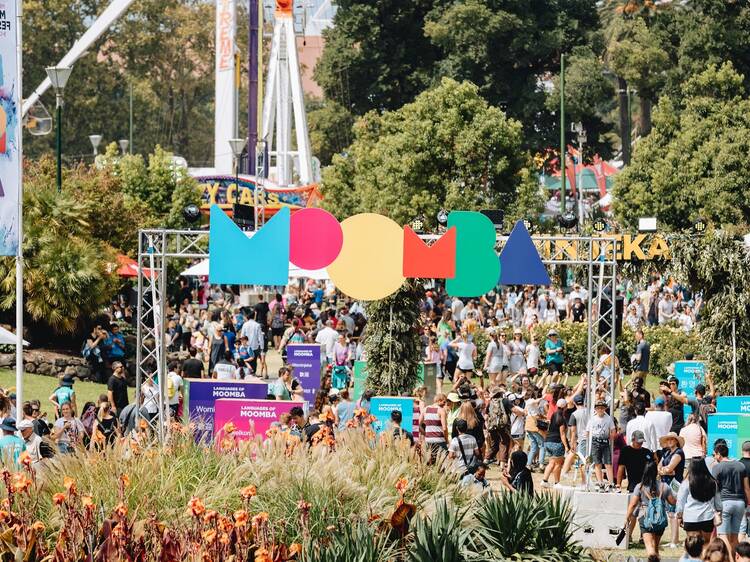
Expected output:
(672, 467)
(601, 431)
(554, 348)
(11, 446)
(453, 406)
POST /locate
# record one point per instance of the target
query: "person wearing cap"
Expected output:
(601, 430)
(672, 467)
(660, 417)
(64, 394)
(554, 347)
(31, 440)
(453, 406)
(11, 446)
(633, 460)
(577, 424)
(676, 401)
(735, 494)
(645, 426)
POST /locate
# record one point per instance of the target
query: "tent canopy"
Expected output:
(200, 269)
(8, 338)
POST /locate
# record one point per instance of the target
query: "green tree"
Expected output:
(392, 341)
(68, 274)
(448, 149)
(693, 162)
(330, 126)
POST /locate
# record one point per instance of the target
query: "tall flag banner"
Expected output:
(9, 130)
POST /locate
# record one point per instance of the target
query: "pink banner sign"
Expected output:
(250, 417)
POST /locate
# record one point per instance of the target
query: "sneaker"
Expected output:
(672, 545)
(546, 484)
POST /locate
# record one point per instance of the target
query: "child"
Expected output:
(601, 430)
(532, 357)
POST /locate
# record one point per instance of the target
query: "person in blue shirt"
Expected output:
(554, 347)
(318, 294)
(243, 351)
(64, 394)
(11, 446)
(114, 344)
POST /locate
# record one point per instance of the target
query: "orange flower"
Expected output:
(20, 482)
(248, 492)
(262, 555)
(224, 539)
(295, 548)
(360, 412)
(58, 498)
(88, 502)
(210, 515)
(327, 417)
(401, 485)
(196, 507)
(4, 515)
(209, 536)
(240, 517)
(229, 428)
(38, 526)
(143, 424)
(302, 505)
(125, 480)
(225, 524)
(121, 510)
(259, 519)
(25, 459)
(70, 484)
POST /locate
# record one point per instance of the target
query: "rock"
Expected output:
(7, 360)
(46, 369)
(83, 372)
(70, 371)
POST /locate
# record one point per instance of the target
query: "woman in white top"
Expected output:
(532, 357)
(632, 319)
(517, 350)
(550, 314)
(467, 352)
(493, 360)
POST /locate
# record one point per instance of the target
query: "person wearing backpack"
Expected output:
(650, 499)
(499, 410)
(464, 451)
(278, 312)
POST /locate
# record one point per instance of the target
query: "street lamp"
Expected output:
(58, 77)
(581, 133)
(95, 141)
(237, 146)
(123, 145)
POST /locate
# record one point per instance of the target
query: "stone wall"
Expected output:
(48, 363)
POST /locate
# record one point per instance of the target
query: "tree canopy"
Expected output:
(448, 149)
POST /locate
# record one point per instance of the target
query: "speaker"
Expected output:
(496, 216)
(243, 216)
(605, 314)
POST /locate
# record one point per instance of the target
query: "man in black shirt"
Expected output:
(578, 310)
(633, 460)
(639, 393)
(676, 401)
(261, 312)
(117, 388)
(192, 368)
(398, 431)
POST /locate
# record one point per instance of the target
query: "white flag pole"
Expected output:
(19, 254)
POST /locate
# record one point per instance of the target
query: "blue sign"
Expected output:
(306, 361)
(382, 406)
(689, 374)
(733, 405)
(734, 428)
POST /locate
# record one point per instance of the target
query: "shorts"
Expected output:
(658, 531)
(277, 332)
(702, 526)
(732, 513)
(553, 366)
(582, 450)
(601, 453)
(532, 371)
(554, 450)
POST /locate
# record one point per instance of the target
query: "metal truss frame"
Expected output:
(157, 247)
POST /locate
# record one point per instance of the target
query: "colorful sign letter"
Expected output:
(307, 362)
(477, 265)
(251, 417)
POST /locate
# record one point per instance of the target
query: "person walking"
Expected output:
(735, 494)
(651, 498)
(632, 463)
(535, 417)
(555, 444)
(433, 420)
(672, 467)
(695, 438)
(699, 501)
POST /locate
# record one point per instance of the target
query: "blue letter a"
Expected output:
(235, 259)
(520, 263)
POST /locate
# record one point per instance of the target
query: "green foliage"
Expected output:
(67, 272)
(513, 526)
(392, 341)
(638, 55)
(330, 126)
(448, 149)
(693, 162)
(356, 542)
(441, 536)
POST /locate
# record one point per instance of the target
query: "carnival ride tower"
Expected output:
(284, 104)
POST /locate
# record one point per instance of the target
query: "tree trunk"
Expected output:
(622, 90)
(645, 116)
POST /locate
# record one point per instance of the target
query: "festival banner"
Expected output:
(382, 406)
(201, 396)
(360, 378)
(307, 361)
(733, 405)
(689, 374)
(9, 130)
(250, 417)
(734, 428)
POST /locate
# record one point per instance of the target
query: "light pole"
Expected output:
(95, 141)
(123, 145)
(58, 77)
(237, 146)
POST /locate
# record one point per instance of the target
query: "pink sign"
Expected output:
(250, 417)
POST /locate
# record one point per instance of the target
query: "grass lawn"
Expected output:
(41, 387)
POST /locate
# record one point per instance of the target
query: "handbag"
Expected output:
(542, 423)
(471, 467)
